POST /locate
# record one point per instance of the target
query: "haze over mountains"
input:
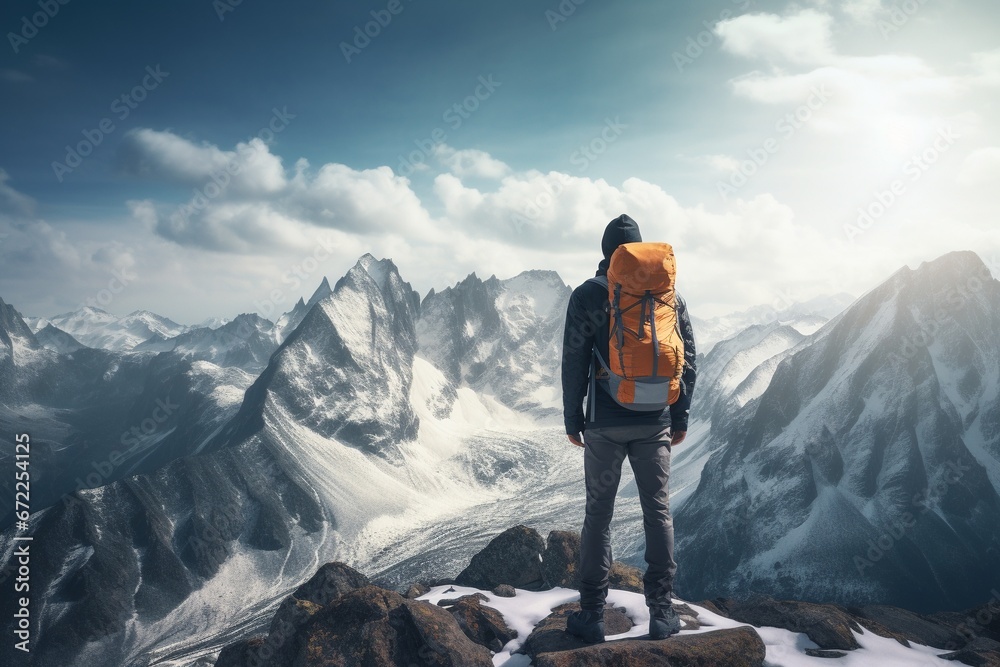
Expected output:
(397, 433)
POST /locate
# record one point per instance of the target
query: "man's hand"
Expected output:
(576, 439)
(677, 438)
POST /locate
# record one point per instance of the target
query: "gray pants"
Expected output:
(648, 450)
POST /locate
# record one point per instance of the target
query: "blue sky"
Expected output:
(567, 116)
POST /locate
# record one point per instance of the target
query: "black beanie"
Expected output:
(622, 229)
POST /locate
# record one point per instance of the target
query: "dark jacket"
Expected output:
(587, 329)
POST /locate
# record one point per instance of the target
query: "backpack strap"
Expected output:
(603, 282)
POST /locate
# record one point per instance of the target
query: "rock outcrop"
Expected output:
(513, 557)
(735, 647)
(339, 618)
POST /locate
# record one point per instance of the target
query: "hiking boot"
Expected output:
(663, 622)
(587, 624)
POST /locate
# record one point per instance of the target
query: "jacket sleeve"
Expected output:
(679, 410)
(578, 345)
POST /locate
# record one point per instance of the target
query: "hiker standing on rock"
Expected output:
(628, 348)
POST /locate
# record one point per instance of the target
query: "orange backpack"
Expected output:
(645, 356)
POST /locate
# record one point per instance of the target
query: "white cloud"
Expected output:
(250, 169)
(470, 162)
(804, 37)
(12, 201)
(986, 68)
(882, 107)
(863, 11)
(980, 167)
(520, 220)
(261, 207)
(724, 163)
(496, 220)
(366, 201)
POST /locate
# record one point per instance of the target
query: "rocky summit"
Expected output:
(512, 609)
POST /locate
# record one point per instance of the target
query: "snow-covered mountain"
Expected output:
(95, 416)
(345, 371)
(333, 451)
(18, 346)
(57, 340)
(98, 328)
(397, 434)
(868, 468)
(212, 322)
(805, 317)
(287, 323)
(503, 338)
(245, 342)
(725, 368)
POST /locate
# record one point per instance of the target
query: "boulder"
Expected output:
(981, 652)
(329, 583)
(447, 602)
(550, 633)
(416, 590)
(284, 637)
(240, 654)
(911, 626)
(829, 626)
(375, 627)
(625, 577)
(504, 591)
(562, 558)
(513, 557)
(736, 647)
(483, 625)
(688, 616)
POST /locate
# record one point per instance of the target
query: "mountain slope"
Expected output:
(502, 338)
(95, 416)
(246, 342)
(289, 321)
(868, 469)
(97, 328)
(805, 317)
(320, 458)
(57, 340)
(345, 371)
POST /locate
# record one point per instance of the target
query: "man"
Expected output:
(609, 432)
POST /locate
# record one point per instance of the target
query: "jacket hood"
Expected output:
(622, 229)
